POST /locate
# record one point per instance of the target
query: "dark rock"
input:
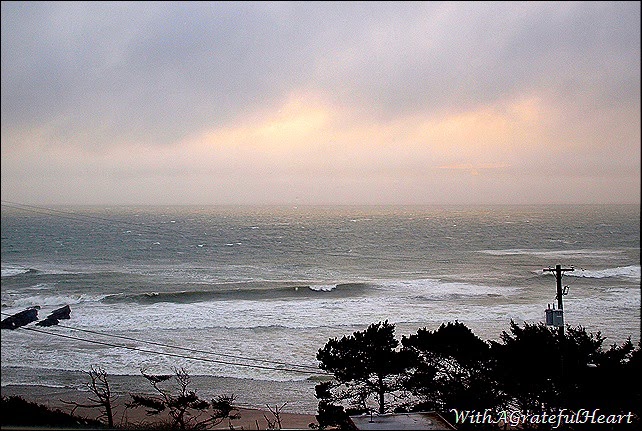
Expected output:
(61, 313)
(49, 321)
(55, 316)
(20, 319)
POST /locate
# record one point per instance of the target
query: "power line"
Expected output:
(176, 355)
(304, 368)
(90, 218)
(190, 349)
(71, 215)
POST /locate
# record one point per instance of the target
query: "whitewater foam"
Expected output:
(554, 254)
(280, 291)
(631, 271)
(10, 271)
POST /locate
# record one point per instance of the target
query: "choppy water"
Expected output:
(266, 287)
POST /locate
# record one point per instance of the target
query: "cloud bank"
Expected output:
(313, 102)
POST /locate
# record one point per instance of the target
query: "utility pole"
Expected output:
(558, 271)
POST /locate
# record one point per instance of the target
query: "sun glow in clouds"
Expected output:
(315, 134)
(189, 103)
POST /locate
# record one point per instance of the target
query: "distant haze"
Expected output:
(320, 102)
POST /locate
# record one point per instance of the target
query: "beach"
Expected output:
(58, 398)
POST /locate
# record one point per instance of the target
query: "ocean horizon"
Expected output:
(243, 297)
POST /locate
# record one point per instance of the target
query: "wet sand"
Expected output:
(58, 398)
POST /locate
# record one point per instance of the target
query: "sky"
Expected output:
(207, 103)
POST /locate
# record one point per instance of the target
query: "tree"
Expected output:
(184, 407)
(536, 370)
(104, 398)
(366, 364)
(450, 369)
(276, 413)
(543, 371)
(529, 367)
(608, 383)
(329, 414)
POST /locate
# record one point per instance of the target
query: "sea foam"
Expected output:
(631, 272)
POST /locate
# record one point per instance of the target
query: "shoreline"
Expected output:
(252, 393)
(54, 398)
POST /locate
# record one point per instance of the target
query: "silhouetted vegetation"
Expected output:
(364, 364)
(534, 369)
(17, 412)
(185, 408)
(450, 368)
(542, 371)
(103, 397)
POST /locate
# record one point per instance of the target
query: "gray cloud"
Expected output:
(100, 74)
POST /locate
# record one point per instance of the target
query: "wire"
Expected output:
(176, 355)
(304, 368)
(70, 215)
(189, 349)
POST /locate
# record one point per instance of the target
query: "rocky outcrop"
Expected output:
(61, 313)
(49, 321)
(20, 319)
(56, 316)
(31, 314)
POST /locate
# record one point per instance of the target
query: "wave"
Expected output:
(552, 253)
(19, 383)
(319, 378)
(631, 271)
(44, 270)
(12, 271)
(245, 291)
(434, 289)
(48, 300)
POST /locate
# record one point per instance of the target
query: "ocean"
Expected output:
(243, 297)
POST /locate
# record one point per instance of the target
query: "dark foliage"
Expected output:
(329, 414)
(529, 367)
(534, 369)
(366, 364)
(543, 370)
(450, 369)
(18, 412)
(185, 408)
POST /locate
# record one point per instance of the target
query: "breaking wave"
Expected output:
(244, 291)
(551, 254)
(629, 272)
(11, 271)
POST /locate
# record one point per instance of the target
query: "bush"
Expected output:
(18, 412)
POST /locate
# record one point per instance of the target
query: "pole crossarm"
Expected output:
(560, 269)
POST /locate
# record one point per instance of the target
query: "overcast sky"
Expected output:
(320, 103)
